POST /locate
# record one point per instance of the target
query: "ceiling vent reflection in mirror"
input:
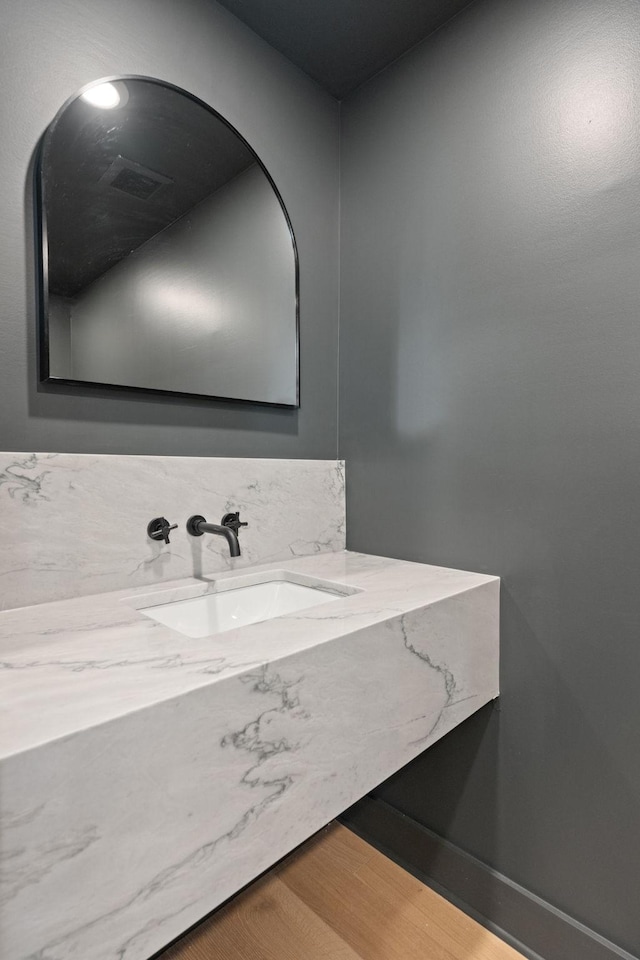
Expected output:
(167, 259)
(134, 179)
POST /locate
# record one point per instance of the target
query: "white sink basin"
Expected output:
(237, 607)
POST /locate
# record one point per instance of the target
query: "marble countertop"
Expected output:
(72, 664)
(148, 776)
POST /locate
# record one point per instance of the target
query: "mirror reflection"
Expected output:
(168, 259)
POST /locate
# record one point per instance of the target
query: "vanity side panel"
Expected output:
(124, 835)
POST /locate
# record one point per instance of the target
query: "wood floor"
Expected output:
(337, 898)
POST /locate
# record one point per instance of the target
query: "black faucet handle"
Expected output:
(233, 521)
(158, 529)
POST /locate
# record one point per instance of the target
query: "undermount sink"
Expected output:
(238, 606)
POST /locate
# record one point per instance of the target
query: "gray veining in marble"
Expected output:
(147, 776)
(75, 524)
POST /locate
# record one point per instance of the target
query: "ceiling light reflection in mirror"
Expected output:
(105, 96)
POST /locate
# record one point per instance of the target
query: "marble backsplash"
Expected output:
(76, 524)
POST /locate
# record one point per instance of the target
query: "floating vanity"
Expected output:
(148, 775)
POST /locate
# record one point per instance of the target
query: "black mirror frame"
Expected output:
(42, 265)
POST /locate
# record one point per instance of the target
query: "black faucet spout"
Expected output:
(197, 525)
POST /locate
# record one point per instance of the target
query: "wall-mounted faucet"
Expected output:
(227, 528)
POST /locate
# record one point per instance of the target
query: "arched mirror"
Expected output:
(168, 261)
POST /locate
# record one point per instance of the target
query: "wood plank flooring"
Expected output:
(337, 898)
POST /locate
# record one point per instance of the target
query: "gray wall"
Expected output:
(50, 50)
(206, 306)
(490, 415)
